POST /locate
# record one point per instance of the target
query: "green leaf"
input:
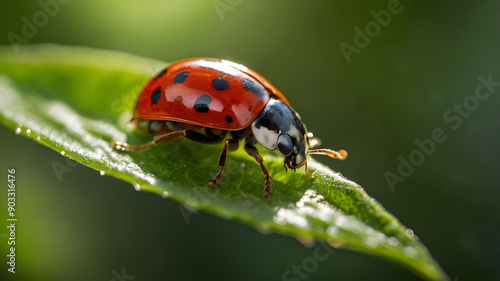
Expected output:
(77, 100)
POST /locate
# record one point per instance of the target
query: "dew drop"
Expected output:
(18, 131)
(410, 251)
(28, 131)
(102, 173)
(264, 230)
(306, 241)
(136, 186)
(335, 244)
(332, 231)
(393, 241)
(38, 138)
(62, 152)
(165, 194)
(371, 242)
(99, 151)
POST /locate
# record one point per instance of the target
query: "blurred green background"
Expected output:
(394, 91)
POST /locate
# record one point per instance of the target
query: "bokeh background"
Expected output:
(393, 91)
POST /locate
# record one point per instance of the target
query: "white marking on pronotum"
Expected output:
(267, 138)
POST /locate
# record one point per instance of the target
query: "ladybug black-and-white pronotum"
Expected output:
(206, 99)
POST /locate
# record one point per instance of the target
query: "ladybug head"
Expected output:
(279, 127)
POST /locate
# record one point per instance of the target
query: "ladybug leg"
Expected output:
(215, 136)
(230, 144)
(157, 139)
(208, 138)
(252, 151)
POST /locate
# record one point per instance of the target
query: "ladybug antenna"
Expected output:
(341, 154)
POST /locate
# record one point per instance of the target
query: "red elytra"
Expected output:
(231, 108)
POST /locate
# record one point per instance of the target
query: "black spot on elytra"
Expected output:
(255, 87)
(161, 74)
(201, 104)
(180, 77)
(220, 84)
(155, 97)
(229, 119)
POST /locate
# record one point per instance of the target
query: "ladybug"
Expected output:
(205, 99)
